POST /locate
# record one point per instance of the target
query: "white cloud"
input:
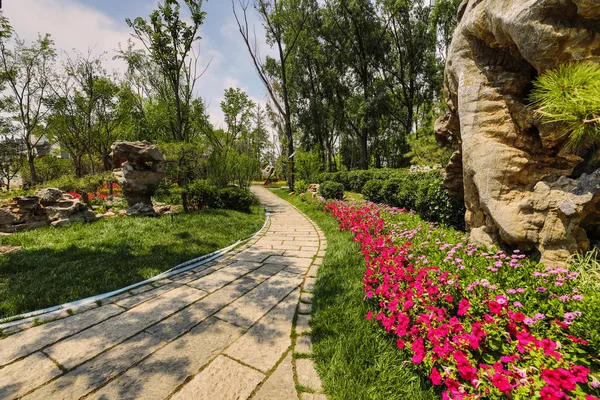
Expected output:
(81, 27)
(72, 26)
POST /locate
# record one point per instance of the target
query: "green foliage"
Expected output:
(420, 192)
(301, 186)
(308, 166)
(58, 265)
(570, 96)
(48, 169)
(88, 183)
(236, 198)
(168, 192)
(373, 191)
(332, 190)
(201, 194)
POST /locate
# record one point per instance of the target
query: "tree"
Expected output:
(358, 44)
(444, 19)
(27, 72)
(412, 72)
(284, 22)
(12, 159)
(87, 112)
(168, 40)
(314, 80)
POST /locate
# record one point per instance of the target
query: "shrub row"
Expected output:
(354, 181)
(202, 195)
(421, 192)
(332, 190)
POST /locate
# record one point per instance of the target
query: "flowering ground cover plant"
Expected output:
(479, 324)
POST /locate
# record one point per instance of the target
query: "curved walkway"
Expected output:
(221, 331)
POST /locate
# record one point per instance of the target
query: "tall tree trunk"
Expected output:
(106, 161)
(31, 162)
(364, 147)
(290, 161)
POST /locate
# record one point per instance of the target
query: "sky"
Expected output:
(99, 26)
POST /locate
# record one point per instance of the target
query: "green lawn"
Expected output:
(58, 265)
(355, 358)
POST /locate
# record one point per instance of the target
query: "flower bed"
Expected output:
(480, 325)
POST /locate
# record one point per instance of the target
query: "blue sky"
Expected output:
(100, 25)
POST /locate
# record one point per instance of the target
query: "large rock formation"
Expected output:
(141, 168)
(48, 207)
(522, 186)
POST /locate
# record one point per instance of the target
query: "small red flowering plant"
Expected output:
(479, 324)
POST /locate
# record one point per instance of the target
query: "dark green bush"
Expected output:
(421, 192)
(301, 186)
(201, 195)
(48, 168)
(372, 191)
(236, 198)
(332, 190)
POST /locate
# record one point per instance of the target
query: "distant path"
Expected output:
(221, 331)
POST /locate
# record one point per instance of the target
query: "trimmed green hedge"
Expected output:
(332, 190)
(422, 192)
(202, 195)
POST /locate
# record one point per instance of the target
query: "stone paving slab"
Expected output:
(160, 374)
(184, 320)
(223, 379)
(132, 301)
(264, 344)
(24, 343)
(280, 385)
(217, 331)
(303, 345)
(307, 374)
(251, 307)
(97, 372)
(89, 343)
(222, 277)
(23, 376)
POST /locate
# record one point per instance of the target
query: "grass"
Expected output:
(355, 358)
(58, 265)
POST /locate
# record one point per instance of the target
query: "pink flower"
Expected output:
(541, 289)
(517, 304)
(369, 315)
(501, 299)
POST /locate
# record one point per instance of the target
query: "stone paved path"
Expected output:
(221, 331)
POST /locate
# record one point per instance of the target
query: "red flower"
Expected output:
(463, 307)
(495, 308)
(560, 378)
(501, 383)
(435, 377)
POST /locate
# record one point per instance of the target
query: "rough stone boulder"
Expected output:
(47, 207)
(522, 186)
(141, 168)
